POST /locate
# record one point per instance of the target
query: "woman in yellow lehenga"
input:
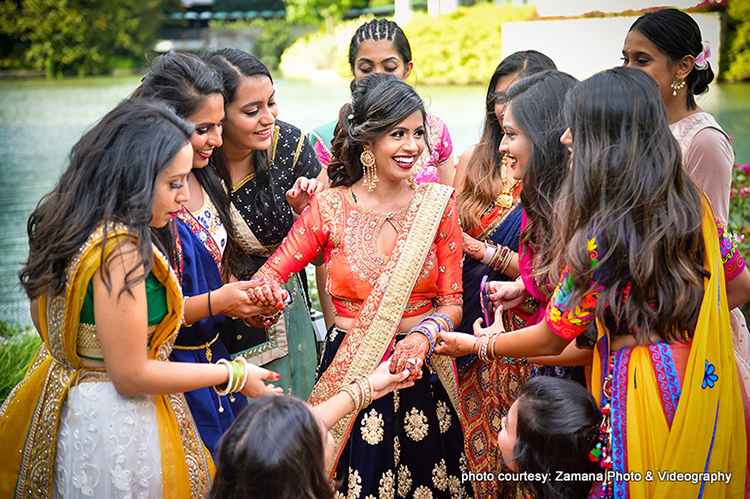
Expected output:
(639, 252)
(100, 413)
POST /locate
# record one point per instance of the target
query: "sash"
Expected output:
(30, 416)
(366, 342)
(707, 433)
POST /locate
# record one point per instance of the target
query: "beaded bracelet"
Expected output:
(268, 320)
(521, 361)
(445, 318)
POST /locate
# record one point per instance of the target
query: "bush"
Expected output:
(739, 213)
(18, 345)
(462, 47)
(736, 57)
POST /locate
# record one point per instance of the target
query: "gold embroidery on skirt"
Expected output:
(440, 475)
(422, 492)
(415, 425)
(372, 427)
(444, 416)
(404, 480)
(387, 489)
(355, 485)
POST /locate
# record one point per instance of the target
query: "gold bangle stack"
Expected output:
(364, 397)
(501, 259)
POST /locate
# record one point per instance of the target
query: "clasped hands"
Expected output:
(249, 299)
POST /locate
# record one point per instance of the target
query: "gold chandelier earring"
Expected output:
(369, 171)
(677, 84)
(505, 198)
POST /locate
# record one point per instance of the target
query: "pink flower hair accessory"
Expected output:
(701, 60)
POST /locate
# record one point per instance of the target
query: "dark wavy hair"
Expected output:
(184, 82)
(483, 171)
(627, 189)
(556, 428)
(110, 177)
(273, 450)
(537, 102)
(379, 102)
(677, 35)
(379, 29)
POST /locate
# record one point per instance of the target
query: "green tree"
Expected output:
(81, 37)
(245, 5)
(736, 60)
(312, 10)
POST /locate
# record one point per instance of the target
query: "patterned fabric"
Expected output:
(426, 167)
(346, 234)
(405, 444)
(31, 426)
(288, 347)
(569, 323)
(200, 274)
(206, 224)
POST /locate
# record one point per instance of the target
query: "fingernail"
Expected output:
(278, 376)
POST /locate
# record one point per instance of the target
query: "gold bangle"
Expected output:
(353, 394)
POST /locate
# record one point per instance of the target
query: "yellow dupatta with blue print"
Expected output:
(30, 415)
(707, 433)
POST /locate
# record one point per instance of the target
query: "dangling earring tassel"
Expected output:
(412, 183)
(677, 85)
(369, 171)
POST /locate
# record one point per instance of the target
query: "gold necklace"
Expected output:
(505, 198)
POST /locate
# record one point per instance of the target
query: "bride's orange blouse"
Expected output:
(347, 233)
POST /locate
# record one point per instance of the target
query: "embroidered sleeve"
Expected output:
(303, 243)
(569, 322)
(442, 148)
(449, 258)
(731, 258)
(306, 162)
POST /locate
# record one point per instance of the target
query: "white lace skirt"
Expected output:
(107, 445)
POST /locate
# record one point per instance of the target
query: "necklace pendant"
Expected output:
(504, 201)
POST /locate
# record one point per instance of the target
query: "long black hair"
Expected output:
(677, 34)
(628, 191)
(273, 450)
(483, 172)
(537, 102)
(109, 178)
(556, 428)
(379, 102)
(233, 65)
(185, 82)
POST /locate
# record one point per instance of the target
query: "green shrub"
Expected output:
(736, 57)
(461, 47)
(17, 348)
(739, 213)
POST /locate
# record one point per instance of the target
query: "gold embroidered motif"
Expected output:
(372, 427)
(387, 489)
(441, 269)
(298, 256)
(396, 450)
(422, 492)
(457, 491)
(440, 475)
(415, 424)
(444, 416)
(462, 464)
(404, 481)
(396, 401)
(339, 495)
(452, 246)
(355, 485)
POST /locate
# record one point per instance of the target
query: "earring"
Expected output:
(369, 171)
(677, 85)
(412, 182)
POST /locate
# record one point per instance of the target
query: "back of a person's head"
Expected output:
(273, 450)
(557, 427)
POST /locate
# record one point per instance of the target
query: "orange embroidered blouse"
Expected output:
(346, 234)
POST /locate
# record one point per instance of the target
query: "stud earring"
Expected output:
(369, 171)
(677, 85)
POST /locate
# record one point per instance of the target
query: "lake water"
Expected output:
(40, 120)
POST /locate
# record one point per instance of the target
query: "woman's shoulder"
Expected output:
(688, 128)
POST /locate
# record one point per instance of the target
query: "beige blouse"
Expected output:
(708, 158)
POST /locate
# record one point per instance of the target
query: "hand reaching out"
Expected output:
(507, 294)
(301, 192)
(410, 353)
(383, 382)
(254, 387)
